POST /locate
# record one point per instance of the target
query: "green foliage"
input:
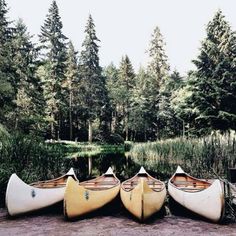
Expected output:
(71, 86)
(158, 70)
(197, 156)
(29, 102)
(170, 124)
(54, 49)
(31, 159)
(213, 96)
(58, 98)
(7, 80)
(92, 94)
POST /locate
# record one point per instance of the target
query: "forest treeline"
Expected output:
(49, 89)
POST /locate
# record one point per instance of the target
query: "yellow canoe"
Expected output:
(143, 195)
(82, 198)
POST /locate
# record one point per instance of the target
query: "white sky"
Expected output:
(125, 26)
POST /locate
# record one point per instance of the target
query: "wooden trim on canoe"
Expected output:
(55, 183)
(105, 181)
(188, 183)
(154, 184)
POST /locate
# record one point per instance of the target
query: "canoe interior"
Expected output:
(101, 183)
(154, 184)
(189, 184)
(54, 183)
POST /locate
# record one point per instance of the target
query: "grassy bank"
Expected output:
(85, 149)
(31, 159)
(34, 159)
(197, 156)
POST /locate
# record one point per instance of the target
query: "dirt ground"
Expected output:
(120, 223)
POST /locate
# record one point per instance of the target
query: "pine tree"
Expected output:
(158, 69)
(169, 122)
(71, 83)
(7, 88)
(213, 83)
(29, 99)
(92, 91)
(54, 48)
(125, 83)
(140, 115)
(111, 74)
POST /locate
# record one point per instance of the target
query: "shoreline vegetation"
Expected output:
(118, 117)
(34, 159)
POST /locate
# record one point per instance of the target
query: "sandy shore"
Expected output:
(53, 223)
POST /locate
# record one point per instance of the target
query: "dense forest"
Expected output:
(50, 90)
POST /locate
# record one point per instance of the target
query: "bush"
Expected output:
(109, 138)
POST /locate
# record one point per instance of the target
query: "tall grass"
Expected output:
(200, 157)
(31, 159)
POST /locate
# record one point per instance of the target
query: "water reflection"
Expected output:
(124, 166)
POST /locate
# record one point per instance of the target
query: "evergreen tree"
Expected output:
(7, 88)
(54, 48)
(112, 85)
(126, 82)
(169, 122)
(71, 83)
(29, 99)
(141, 113)
(92, 91)
(158, 69)
(213, 84)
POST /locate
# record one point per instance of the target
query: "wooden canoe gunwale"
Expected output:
(156, 181)
(184, 189)
(53, 182)
(100, 183)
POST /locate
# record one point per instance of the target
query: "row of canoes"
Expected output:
(142, 195)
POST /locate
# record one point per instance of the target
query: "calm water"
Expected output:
(123, 165)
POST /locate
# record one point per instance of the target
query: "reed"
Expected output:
(199, 156)
(31, 159)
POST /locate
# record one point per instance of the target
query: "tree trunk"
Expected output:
(113, 122)
(90, 131)
(70, 116)
(16, 123)
(58, 127)
(52, 127)
(126, 129)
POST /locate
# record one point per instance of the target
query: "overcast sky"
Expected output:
(125, 26)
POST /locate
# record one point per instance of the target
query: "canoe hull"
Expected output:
(79, 201)
(22, 198)
(142, 201)
(208, 203)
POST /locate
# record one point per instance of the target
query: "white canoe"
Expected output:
(201, 197)
(143, 195)
(22, 198)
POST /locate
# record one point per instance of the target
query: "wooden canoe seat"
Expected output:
(59, 185)
(100, 183)
(192, 183)
(192, 189)
(148, 182)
